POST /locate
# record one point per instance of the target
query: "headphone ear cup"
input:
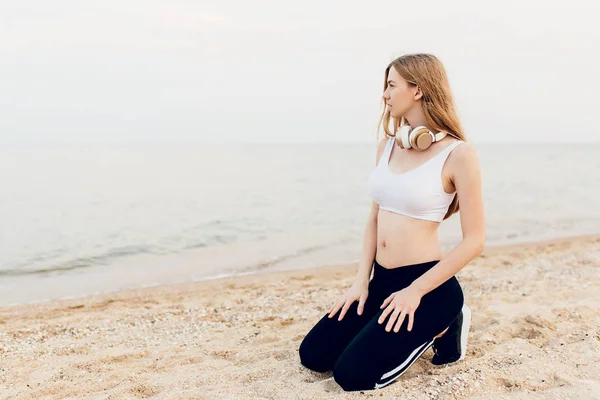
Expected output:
(421, 138)
(405, 137)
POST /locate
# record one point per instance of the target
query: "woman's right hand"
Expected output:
(358, 291)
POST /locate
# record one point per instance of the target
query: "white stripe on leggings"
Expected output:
(411, 359)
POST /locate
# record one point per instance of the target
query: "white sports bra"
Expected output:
(417, 193)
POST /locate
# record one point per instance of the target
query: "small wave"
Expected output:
(19, 272)
(80, 262)
(195, 246)
(298, 253)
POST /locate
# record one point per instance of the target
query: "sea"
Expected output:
(81, 220)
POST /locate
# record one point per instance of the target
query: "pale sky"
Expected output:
(271, 70)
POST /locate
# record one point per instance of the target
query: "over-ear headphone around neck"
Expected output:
(419, 138)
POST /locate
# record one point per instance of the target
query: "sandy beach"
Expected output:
(535, 334)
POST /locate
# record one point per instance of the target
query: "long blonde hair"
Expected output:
(427, 72)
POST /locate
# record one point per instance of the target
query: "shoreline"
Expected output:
(534, 335)
(489, 250)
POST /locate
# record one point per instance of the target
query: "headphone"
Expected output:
(419, 138)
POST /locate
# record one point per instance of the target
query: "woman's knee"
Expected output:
(351, 377)
(311, 357)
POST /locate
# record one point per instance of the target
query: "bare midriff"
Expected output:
(403, 240)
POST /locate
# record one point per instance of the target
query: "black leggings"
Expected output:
(361, 353)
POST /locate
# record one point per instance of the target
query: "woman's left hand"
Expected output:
(403, 302)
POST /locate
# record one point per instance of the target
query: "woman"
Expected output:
(424, 170)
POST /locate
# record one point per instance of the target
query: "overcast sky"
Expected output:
(233, 70)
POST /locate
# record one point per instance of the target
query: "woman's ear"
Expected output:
(418, 93)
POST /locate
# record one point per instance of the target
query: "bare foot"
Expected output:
(445, 330)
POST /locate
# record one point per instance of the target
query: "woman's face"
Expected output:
(399, 95)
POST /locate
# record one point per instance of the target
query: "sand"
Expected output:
(535, 334)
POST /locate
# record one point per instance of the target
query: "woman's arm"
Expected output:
(370, 235)
(369, 247)
(466, 177)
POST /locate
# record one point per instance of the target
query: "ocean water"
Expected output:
(78, 220)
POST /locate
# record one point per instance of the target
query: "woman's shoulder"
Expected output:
(383, 142)
(381, 145)
(463, 153)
